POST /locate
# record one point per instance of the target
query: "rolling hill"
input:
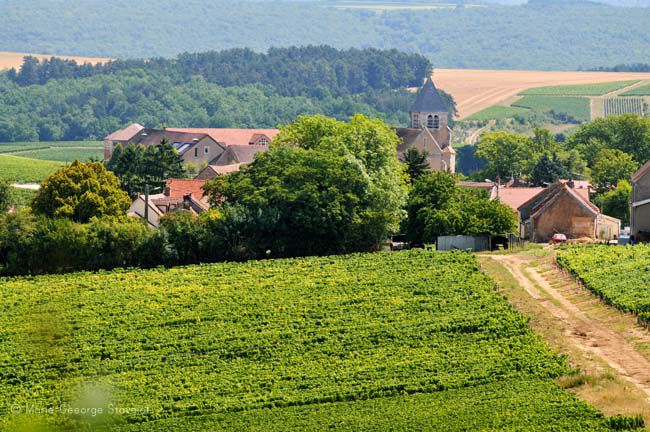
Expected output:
(530, 36)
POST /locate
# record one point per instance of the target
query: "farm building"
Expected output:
(640, 213)
(429, 130)
(178, 194)
(196, 146)
(564, 208)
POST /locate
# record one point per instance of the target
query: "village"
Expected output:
(325, 215)
(560, 211)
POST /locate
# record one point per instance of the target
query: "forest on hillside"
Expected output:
(543, 34)
(58, 100)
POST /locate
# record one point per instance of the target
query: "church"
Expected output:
(429, 130)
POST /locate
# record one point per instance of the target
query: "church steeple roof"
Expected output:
(429, 99)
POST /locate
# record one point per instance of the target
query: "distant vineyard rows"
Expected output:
(627, 105)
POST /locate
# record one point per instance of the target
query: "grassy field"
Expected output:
(498, 112)
(25, 170)
(643, 90)
(391, 341)
(598, 89)
(61, 151)
(22, 197)
(576, 107)
(618, 275)
(63, 154)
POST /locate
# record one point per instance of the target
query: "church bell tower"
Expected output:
(429, 110)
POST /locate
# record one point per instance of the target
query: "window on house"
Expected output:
(196, 152)
(207, 150)
(436, 122)
(416, 120)
(263, 141)
(430, 122)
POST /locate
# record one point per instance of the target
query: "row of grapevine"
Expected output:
(618, 275)
(417, 340)
(624, 105)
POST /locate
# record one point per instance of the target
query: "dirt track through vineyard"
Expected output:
(589, 325)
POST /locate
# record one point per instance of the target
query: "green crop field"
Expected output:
(22, 197)
(580, 89)
(63, 154)
(27, 145)
(577, 107)
(62, 151)
(414, 340)
(643, 90)
(618, 275)
(26, 170)
(498, 112)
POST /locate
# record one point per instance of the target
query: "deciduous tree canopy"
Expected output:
(81, 192)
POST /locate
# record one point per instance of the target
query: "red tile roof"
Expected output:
(231, 136)
(125, 134)
(178, 188)
(556, 193)
(516, 196)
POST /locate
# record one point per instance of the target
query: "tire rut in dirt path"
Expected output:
(592, 335)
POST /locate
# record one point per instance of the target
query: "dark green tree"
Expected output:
(6, 195)
(438, 207)
(137, 166)
(616, 202)
(610, 167)
(416, 163)
(548, 170)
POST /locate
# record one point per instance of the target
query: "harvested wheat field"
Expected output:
(475, 90)
(10, 60)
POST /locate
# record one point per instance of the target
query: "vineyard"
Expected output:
(642, 90)
(598, 89)
(392, 341)
(618, 275)
(26, 170)
(624, 105)
(575, 108)
(62, 151)
(63, 154)
(498, 112)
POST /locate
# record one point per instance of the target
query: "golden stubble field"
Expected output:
(10, 60)
(475, 90)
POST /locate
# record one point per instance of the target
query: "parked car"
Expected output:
(558, 238)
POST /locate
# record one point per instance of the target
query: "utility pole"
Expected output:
(146, 202)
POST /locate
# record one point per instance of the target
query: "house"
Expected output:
(515, 197)
(429, 130)
(120, 137)
(640, 212)
(229, 136)
(194, 148)
(178, 194)
(563, 208)
(211, 172)
(231, 160)
(198, 146)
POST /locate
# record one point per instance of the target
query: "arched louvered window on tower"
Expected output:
(436, 122)
(430, 122)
